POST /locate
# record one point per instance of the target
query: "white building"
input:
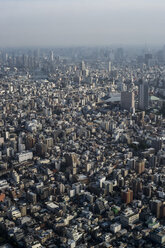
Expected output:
(15, 176)
(116, 227)
(3, 184)
(129, 217)
(24, 156)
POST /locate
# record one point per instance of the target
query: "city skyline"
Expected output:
(82, 124)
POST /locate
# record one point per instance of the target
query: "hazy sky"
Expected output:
(81, 22)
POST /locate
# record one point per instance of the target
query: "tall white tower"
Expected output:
(82, 66)
(109, 66)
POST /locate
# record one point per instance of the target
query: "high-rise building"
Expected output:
(127, 196)
(162, 210)
(119, 55)
(51, 56)
(137, 188)
(147, 58)
(23, 209)
(155, 207)
(82, 65)
(140, 166)
(71, 161)
(109, 66)
(127, 100)
(143, 96)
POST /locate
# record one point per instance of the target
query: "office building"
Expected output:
(127, 196)
(143, 96)
(127, 100)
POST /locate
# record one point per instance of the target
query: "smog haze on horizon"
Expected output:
(81, 22)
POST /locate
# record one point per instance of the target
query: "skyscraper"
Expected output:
(143, 96)
(82, 65)
(51, 56)
(127, 100)
(109, 66)
(127, 196)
